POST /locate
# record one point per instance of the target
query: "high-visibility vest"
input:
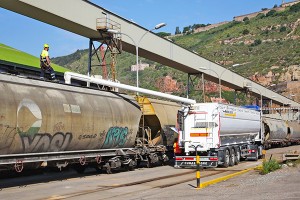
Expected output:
(43, 56)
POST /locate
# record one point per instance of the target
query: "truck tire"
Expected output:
(226, 158)
(238, 157)
(256, 155)
(232, 157)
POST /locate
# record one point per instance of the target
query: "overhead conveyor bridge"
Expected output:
(79, 17)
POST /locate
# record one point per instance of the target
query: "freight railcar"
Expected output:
(280, 132)
(43, 123)
(160, 119)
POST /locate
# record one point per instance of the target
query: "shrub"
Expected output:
(295, 8)
(260, 16)
(246, 31)
(270, 166)
(245, 19)
(282, 29)
(271, 13)
(256, 42)
(163, 34)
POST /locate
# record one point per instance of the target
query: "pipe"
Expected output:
(71, 75)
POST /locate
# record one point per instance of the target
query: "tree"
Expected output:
(186, 29)
(275, 6)
(177, 31)
(195, 26)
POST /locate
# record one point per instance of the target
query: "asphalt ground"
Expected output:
(168, 183)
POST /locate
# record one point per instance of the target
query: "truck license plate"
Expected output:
(193, 164)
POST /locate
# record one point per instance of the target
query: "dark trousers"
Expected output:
(47, 68)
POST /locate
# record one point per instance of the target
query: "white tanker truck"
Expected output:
(221, 134)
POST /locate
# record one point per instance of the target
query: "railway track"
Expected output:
(115, 187)
(153, 183)
(124, 185)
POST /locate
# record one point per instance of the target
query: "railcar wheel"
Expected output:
(226, 159)
(98, 168)
(148, 163)
(19, 166)
(107, 168)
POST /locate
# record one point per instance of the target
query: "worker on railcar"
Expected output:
(46, 64)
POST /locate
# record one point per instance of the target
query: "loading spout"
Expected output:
(71, 75)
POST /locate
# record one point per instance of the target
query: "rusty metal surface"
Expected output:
(40, 116)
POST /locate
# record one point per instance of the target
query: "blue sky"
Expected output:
(29, 35)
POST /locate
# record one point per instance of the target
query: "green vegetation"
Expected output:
(256, 44)
(270, 166)
(13, 55)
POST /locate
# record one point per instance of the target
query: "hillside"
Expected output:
(13, 55)
(264, 48)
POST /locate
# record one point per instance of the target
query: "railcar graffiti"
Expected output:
(46, 142)
(115, 137)
(87, 136)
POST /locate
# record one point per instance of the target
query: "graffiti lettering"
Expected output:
(82, 137)
(46, 142)
(115, 137)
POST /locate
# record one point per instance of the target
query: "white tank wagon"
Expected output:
(46, 123)
(280, 132)
(222, 134)
(275, 129)
(294, 132)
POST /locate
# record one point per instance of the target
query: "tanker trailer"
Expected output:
(55, 124)
(221, 134)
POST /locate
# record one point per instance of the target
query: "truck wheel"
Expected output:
(226, 158)
(238, 157)
(232, 158)
(256, 155)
